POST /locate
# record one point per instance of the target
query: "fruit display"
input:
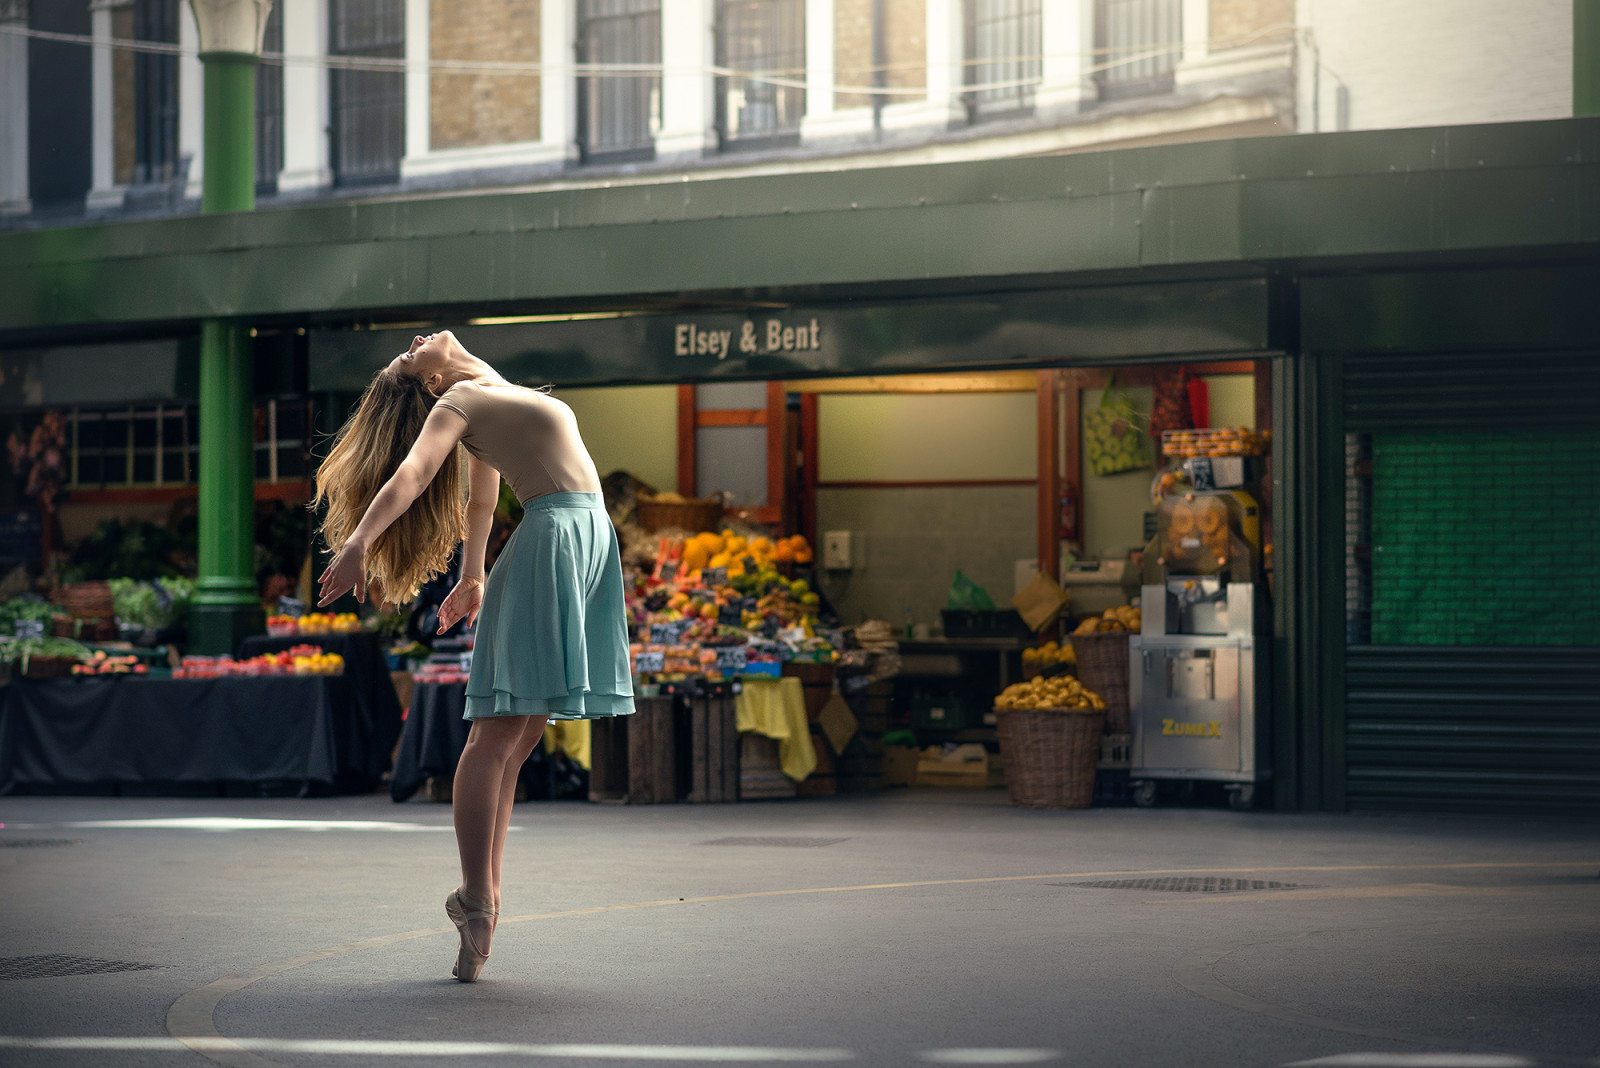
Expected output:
(102, 663)
(314, 623)
(1217, 441)
(1049, 654)
(1122, 618)
(715, 602)
(299, 660)
(1062, 691)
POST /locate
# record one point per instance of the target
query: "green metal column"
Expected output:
(227, 604)
(229, 179)
(1586, 57)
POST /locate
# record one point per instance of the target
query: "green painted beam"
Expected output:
(1367, 193)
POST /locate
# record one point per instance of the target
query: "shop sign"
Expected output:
(769, 337)
(1033, 328)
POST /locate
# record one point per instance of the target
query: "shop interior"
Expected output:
(921, 498)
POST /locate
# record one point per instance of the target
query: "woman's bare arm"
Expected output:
(484, 495)
(433, 447)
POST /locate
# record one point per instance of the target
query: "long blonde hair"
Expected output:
(366, 453)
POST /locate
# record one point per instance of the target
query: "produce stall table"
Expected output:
(948, 683)
(365, 665)
(300, 733)
(434, 735)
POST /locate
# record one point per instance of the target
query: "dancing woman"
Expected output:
(553, 638)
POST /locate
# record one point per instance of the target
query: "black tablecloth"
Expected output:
(303, 732)
(434, 735)
(365, 665)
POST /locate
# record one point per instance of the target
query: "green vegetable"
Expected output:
(161, 603)
(31, 608)
(14, 650)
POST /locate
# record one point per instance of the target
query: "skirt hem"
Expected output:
(570, 707)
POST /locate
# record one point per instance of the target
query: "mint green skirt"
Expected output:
(552, 636)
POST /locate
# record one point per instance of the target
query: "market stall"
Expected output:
(283, 734)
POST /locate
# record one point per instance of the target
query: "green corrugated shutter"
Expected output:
(1472, 674)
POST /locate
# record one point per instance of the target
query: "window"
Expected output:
(763, 42)
(1137, 45)
(269, 106)
(1003, 54)
(368, 105)
(620, 113)
(155, 93)
(150, 445)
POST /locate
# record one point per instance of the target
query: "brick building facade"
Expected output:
(485, 91)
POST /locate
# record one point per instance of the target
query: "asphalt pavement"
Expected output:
(913, 927)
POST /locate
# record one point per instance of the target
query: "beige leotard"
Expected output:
(529, 437)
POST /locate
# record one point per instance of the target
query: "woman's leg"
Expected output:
(531, 733)
(491, 743)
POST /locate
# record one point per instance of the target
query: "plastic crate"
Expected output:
(984, 623)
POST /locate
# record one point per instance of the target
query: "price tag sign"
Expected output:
(30, 628)
(290, 606)
(648, 660)
(668, 571)
(729, 615)
(731, 659)
(665, 633)
(713, 577)
(1200, 473)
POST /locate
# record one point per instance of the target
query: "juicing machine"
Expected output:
(1195, 692)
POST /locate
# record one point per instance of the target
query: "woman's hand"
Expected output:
(463, 603)
(346, 572)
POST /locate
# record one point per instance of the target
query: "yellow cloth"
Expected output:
(571, 737)
(776, 708)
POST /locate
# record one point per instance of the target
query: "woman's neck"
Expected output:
(465, 367)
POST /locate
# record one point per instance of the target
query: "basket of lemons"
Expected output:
(1050, 732)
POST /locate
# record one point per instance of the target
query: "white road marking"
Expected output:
(226, 823)
(1417, 1060)
(989, 1056)
(379, 1048)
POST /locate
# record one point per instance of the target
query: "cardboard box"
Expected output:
(987, 771)
(900, 765)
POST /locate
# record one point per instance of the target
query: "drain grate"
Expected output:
(791, 843)
(1189, 884)
(51, 965)
(38, 843)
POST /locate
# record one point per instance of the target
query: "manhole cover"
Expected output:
(55, 964)
(38, 843)
(791, 843)
(1189, 884)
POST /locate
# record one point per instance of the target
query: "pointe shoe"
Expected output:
(461, 909)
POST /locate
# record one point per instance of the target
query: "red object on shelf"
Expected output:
(1199, 402)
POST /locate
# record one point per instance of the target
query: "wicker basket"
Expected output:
(47, 667)
(1103, 668)
(690, 514)
(1050, 755)
(85, 600)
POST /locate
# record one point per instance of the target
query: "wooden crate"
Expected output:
(713, 750)
(633, 759)
(822, 782)
(759, 774)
